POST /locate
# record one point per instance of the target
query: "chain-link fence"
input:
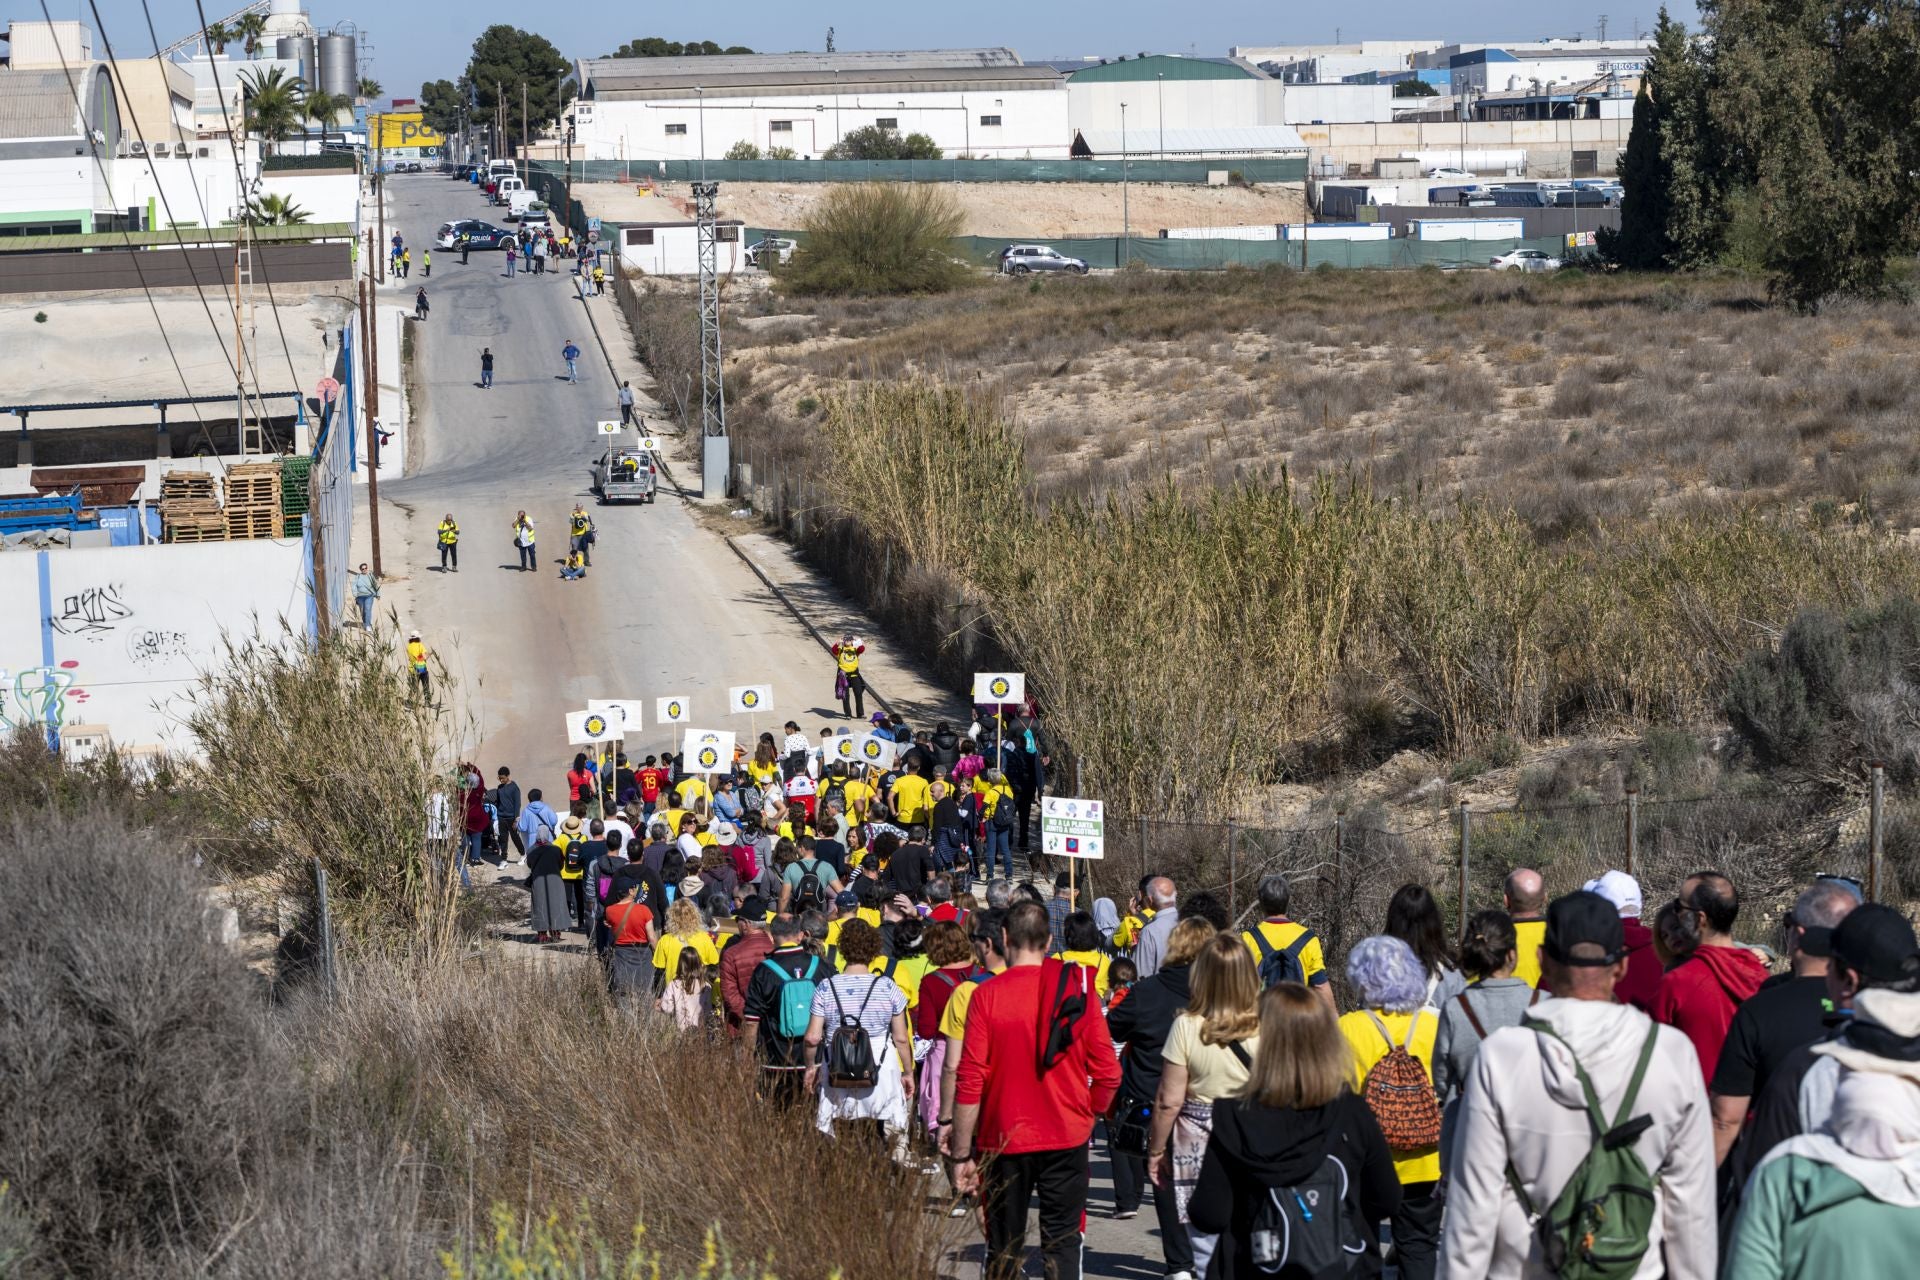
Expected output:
(1771, 843)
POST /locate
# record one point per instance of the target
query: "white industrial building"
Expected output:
(1206, 106)
(972, 102)
(673, 248)
(1513, 68)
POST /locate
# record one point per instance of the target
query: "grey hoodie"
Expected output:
(1523, 1104)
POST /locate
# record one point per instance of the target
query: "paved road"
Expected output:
(666, 608)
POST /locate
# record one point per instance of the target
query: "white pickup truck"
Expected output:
(626, 473)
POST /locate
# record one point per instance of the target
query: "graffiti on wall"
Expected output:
(39, 696)
(93, 613)
(151, 646)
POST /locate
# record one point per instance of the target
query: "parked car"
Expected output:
(1462, 176)
(408, 166)
(482, 235)
(1019, 259)
(536, 219)
(775, 249)
(1526, 260)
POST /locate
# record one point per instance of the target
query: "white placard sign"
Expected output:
(607, 428)
(991, 688)
(650, 444)
(675, 710)
(750, 699)
(846, 749)
(872, 749)
(1071, 827)
(624, 712)
(709, 751)
(591, 726)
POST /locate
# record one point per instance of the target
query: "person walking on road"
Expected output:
(406, 262)
(466, 247)
(486, 368)
(571, 354)
(523, 541)
(512, 254)
(580, 535)
(420, 304)
(366, 590)
(849, 687)
(426, 264)
(506, 815)
(449, 536)
(626, 404)
(417, 662)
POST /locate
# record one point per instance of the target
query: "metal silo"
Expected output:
(339, 66)
(299, 49)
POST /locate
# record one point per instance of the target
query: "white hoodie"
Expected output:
(1523, 1104)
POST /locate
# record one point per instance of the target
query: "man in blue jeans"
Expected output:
(486, 367)
(571, 354)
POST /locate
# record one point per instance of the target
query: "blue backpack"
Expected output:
(795, 1010)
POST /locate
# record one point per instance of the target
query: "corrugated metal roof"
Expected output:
(1164, 66)
(183, 237)
(867, 80)
(1144, 143)
(39, 104)
(615, 73)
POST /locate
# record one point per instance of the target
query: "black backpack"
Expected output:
(835, 793)
(575, 854)
(1278, 965)
(810, 893)
(850, 1060)
(1306, 1229)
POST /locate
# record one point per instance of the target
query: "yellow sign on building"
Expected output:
(401, 130)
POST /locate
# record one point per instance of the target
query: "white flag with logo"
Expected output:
(709, 751)
(750, 699)
(624, 712)
(675, 710)
(590, 726)
(990, 688)
(875, 750)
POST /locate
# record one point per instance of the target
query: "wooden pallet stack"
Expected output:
(253, 500)
(190, 508)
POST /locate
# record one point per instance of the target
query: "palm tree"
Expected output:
(218, 37)
(275, 211)
(369, 87)
(249, 29)
(321, 108)
(271, 103)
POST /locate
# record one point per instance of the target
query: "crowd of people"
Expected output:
(1564, 1090)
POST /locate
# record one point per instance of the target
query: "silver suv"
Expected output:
(1019, 259)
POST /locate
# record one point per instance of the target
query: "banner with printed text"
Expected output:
(1071, 827)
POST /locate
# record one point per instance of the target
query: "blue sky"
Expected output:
(416, 40)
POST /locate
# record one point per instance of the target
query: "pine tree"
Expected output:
(1670, 217)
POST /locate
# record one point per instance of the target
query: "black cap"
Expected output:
(1876, 942)
(754, 909)
(1584, 919)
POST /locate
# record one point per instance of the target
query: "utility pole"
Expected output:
(715, 458)
(524, 140)
(370, 363)
(1126, 221)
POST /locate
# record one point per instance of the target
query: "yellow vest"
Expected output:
(449, 533)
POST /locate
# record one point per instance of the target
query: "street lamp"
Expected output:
(1126, 222)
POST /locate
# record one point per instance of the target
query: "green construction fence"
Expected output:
(1215, 255)
(1244, 168)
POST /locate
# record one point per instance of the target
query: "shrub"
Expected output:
(782, 153)
(871, 142)
(742, 150)
(878, 238)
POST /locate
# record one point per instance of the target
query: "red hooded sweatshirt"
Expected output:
(1698, 996)
(1642, 982)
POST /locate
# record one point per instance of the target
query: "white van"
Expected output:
(504, 193)
(519, 202)
(501, 169)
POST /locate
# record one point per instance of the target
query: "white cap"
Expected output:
(1619, 888)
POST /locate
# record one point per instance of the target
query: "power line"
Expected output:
(93, 147)
(240, 177)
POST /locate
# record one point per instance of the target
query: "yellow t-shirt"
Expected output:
(1369, 1046)
(870, 914)
(1282, 934)
(907, 975)
(690, 789)
(990, 797)
(672, 818)
(561, 844)
(859, 795)
(911, 797)
(1094, 960)
(848, 656)
(666, 952)
(1528, 935)
(953, 1019)
(417, 655)
(762, 774)
(706, 838)
(1213, 1071)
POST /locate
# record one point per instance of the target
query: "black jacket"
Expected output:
(946, 747)
(507, 799)
(1143, 1021)
(1254, 1148)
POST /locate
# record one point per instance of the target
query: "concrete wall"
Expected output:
(327, 197)
(1185, 104)
(283, 264)
(1033, 122)
(53, 184)
(114, 637)
(1333, 104)
(202, 192)
(675, 251)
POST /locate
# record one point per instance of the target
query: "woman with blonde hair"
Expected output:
(685, 929)
(1294, 1129)
(1208, 1055)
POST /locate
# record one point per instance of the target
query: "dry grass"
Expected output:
(1576, 398)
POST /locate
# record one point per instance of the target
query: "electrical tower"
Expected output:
(713, 389)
